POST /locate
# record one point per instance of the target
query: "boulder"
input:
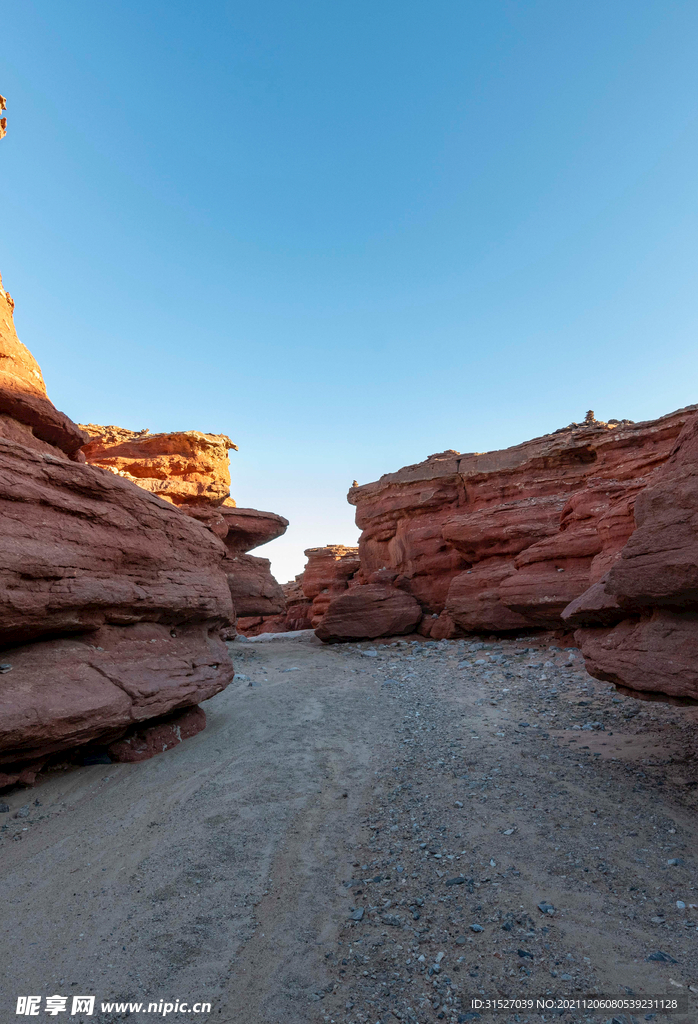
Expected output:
(367, 612)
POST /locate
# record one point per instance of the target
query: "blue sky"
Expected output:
(351, 234)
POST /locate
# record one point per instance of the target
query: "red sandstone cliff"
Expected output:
(327, 574)
(503, 540)
(191, 470)
(26, 414)
(111, 599)
(640, 621)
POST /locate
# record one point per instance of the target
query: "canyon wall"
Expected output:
(191, 470)
(639, 622)
(506, 540)
(112, 600)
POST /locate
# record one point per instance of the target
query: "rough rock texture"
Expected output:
(369, 611)
(141, 587)
(186, 467)
(82, 548)
(327, 574)
(63, 693)
(640, 621)
(505, 540)
(145, 741)
(111, 600)
(252, 587)
(191, 470)
(26, 413)
(296, 615)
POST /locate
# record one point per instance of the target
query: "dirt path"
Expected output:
(356, 783)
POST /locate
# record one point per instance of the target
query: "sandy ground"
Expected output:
(370, 833)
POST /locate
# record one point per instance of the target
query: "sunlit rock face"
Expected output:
(26, 413)
(186, 467)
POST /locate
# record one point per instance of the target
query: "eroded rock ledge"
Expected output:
(508, 540)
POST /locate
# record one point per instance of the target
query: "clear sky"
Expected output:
(352, 234)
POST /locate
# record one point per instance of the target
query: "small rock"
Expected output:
(476, 928)
(458, 880)
(23, 812)
(4, 667)
(662, 958)
(370, 654)
(4, 808)
(680, 904)
(675, 862)
(546, 908)
(566, 977)
(357, 915)
(392, 920)
(524, 952)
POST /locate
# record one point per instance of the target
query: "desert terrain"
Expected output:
(371, 832)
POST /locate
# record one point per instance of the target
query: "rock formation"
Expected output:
(26, 414)
(186, 467)
(111, 599)
(640, 620)
(327, 574)
(505, 540)
(191, 470)
(252, 587)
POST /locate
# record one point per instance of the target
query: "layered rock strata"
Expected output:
(328, 572)
(111, 600)
(26, 413)
(639, 623)
(191, 470)
(253, 589)
(506, 540)
(186, 467)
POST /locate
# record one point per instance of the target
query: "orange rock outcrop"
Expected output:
(26, 414)
(186, 467)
